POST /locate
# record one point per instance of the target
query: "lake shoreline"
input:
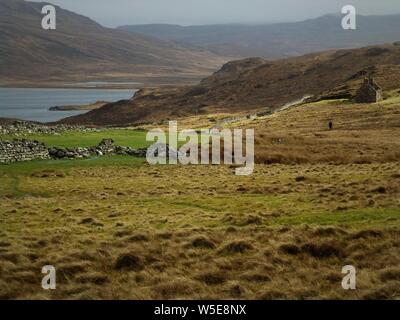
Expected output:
(78, 87)
(109, 84)
(33, 104)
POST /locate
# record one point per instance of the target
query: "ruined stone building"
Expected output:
(369, 92)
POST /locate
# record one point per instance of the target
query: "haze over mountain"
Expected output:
(257, 85)
(205, 12)
(80, 49)
(281, 39)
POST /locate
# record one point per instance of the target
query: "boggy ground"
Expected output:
(134, 231)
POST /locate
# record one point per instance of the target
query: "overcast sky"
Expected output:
(194, 12)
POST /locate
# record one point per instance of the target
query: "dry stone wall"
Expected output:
(22, 150)
(25, 150)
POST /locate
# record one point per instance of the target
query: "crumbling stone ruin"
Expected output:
(25, 150)
(369, 92)
(22, 150)
(105, 147)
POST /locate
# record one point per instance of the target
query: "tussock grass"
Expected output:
(171, 232)
(117, 228)
(362, 133)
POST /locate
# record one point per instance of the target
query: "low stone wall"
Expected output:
(22, 150)
(105, 147)
(25, 150)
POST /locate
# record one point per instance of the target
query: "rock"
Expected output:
(60, 153)
(106, 142)
(53, 152)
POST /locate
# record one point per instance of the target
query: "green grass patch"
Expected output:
(345, 217)
(28, 167)
(332, 102)
(123, 137)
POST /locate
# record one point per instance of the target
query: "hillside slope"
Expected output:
(253, 85)
(81, 49)
(281, 39)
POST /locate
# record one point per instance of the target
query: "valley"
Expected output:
(318, 199)
(81, 50)
(78, 193)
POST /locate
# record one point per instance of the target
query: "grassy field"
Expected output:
(138, 231)
(361, 133)
(118, 228)
(23, 168)
(123, 137)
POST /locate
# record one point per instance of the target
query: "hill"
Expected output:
(257, 85)
(281, 39)
(80, 50)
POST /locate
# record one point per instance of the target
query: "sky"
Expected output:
(199, 12)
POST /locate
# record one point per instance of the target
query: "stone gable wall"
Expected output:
(368, 94)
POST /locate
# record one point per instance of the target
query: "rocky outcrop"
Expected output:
(22, 150)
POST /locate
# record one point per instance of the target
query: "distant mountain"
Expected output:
(81, 49)
(256, 85)
(281, 39)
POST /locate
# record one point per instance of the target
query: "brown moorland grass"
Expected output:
(317, 200)
(362, 133)
(194, 232)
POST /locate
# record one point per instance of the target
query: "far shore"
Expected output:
(132, 83)
(107, 86)
(90, 106)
